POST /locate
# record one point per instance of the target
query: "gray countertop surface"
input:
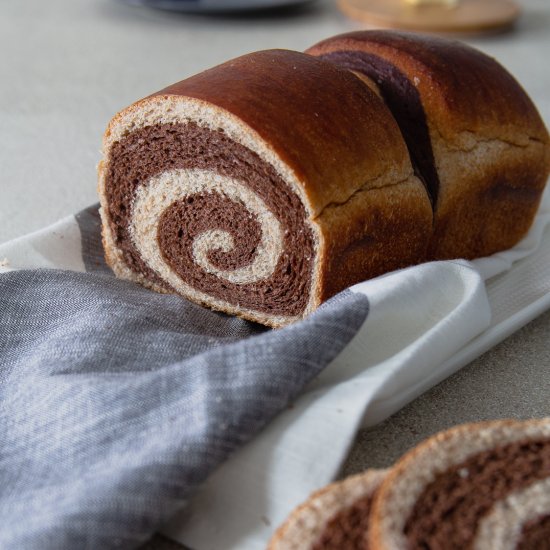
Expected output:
(68, 65)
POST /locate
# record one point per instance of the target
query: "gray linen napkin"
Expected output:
(117, 402)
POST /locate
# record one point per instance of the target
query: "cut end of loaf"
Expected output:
(193, 202)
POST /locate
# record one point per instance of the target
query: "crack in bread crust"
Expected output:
(404, 101)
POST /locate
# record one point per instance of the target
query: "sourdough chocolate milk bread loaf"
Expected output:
(474, 136)
(260, 188)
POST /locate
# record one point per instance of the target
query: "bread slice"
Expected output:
(483, 486)
(334, 518)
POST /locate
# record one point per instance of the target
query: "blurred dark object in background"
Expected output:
(218, 6)
(440, 16)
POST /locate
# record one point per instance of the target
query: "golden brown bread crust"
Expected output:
(462, 89)
(488, 197)
(490, 146)
(379, 231)
(344, 137)
(339, 142)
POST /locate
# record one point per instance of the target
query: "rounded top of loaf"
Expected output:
(463, 90)
(332, 131)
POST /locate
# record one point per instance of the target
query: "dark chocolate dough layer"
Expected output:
(403, 100)
(447, 513)
(535, 535)
(155, 149)
(348, 529)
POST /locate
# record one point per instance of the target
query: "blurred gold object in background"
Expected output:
(442, 16)
(425, 2)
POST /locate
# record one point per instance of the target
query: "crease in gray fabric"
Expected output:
(89, 223)
(117, 402)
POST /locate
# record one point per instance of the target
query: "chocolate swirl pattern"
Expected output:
(514, 519)
(187, 188)
(475, 486)
(244, 191)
